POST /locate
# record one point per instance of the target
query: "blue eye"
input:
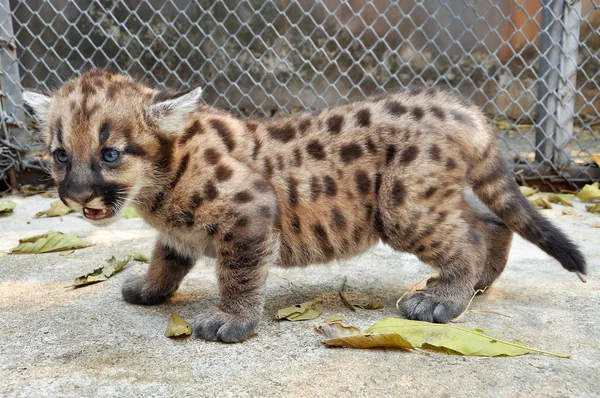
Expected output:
(60, 156)
(110, 155)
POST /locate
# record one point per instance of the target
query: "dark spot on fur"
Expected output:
(378, 223)
(436, 244)
(334, 124)
(256, 150)
(377, 183)
(330, 187)
(363, 118)
(438, 113)
(368, 211)
(283, 133)
(292, 191)
(434, 152)
(261, 185)
(180, 170)
(242, 222)
(409, 154)
(315, 150)
(131, 148)
(297, 157)
(429, 192)
(390, 153)
(190, 131)
(450, 164)
(196, 200)
(265, 211)
(363, 182)
(398, 193)
(357, 235)
(462, 118)
(315, 188)
(224, 133)
(280, 163)
(338, 220)
(371, 147)
(104, 133)
(296, 228)
(223, 172)
(420, 249)
(350, 152)
(417, 113)
(326, 246)
(304, 125)
(449, 192)
(395, 108)
(268, 167)
(212, 156)
(243, 197)
(210, 191)
(228, 237)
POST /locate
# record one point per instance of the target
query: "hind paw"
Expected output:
(432, 308)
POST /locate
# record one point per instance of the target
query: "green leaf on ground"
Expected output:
(451, 339)
(177, 327)
(7, 206)
(141, 257)
(301, 312)
(589, 192)
(103, 273)
(528, 191)
(593, 208)
(130, 212)
(52, 241)
(57, 209)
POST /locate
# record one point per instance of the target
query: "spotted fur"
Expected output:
(418, 170)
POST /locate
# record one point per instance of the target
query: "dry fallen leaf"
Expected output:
(141, 257)
(340, 335)
(371, 305)
(102, 273)
(596, 158)
(593, 208)
(589, 192)
(130, 212)
(528, 191)
(57, 209)
(567, 212)
(451, 338)
(53, 241)
(540, 200)
(7, 206)
(177, 326)
(301, 312)
(30, 190)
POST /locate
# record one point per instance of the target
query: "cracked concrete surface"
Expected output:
(56, 341)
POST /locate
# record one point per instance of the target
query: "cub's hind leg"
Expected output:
(167, 269)
(498, 239)
(442, 237)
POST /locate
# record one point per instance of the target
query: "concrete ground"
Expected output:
(56, 341)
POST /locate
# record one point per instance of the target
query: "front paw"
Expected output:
(136, 291)
(430, 307)
(217, 325)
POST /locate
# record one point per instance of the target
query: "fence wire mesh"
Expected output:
(532, 65)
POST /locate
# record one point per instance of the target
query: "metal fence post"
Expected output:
(12, 135)
(556, 89)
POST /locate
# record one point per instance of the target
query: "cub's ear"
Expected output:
(169, 109)
(40, 103)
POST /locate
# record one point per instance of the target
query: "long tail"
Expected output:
(495, 186)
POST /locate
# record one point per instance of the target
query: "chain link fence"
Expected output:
(532, 65)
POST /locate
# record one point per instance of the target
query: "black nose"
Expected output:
(81, 195)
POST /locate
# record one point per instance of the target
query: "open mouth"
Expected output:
(97, 214)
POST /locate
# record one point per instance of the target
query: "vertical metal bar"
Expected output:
(565, 110)
(551, 35)
(556, 90)
(11, 93)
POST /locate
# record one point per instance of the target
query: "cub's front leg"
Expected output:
(167, 269)
(242, 265)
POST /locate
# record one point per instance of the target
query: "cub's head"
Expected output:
(110, 138)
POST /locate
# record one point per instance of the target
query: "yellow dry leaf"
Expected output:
(53, 241)
(177, 326)
(301, 312)
(7, 206)
(589, 192)
(528, 191)
(57, 209)
(595, 208)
